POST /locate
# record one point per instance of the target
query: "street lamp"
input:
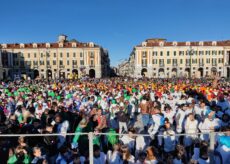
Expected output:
(190, 52)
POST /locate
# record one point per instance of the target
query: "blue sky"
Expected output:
(117, 25)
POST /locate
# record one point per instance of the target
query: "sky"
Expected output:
(117, 25)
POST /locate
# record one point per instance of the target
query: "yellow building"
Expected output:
(159, 58)
(63, 59)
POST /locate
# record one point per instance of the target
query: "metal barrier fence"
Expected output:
(91, 136)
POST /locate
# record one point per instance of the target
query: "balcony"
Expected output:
(214, 64)
(174, 64)
(161, 65)
(92, 66)
(48, 66)
(227, 64)
(62, 66)
(201, 64)
(144, 65)
(188, 64)
(75, 66)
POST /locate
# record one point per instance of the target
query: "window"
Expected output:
(168, 61)
(144, 54)
(74, 54)
(67, 62)
(60, 62)
(81, 62)
(161, 62)
(68, 69)
(67, 54)
(35, 55)
(91, 62)
(206, 67)
(42, 62)
(208, 60)
(91, 54)
(181, 61)
(168, 53)
(35, 62)
(201, 52)
(174, 62)
(154, 61)
(154, 53)
(161, 53)
(174, 53)
(220, 60)
(61, 55)
(41, 55)
(54, 62)
(167, 68)
(74, 62)
(54, 55)
(181, 53)
(81, 54)
(214, 53)
(144, 62)
(48, 62)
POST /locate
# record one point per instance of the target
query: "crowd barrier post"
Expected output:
(90, 147)
(212, 147)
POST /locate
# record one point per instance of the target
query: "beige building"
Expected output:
(159, 58)
(63, 59)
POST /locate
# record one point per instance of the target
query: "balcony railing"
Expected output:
(201, 64)
(144, 65)
(188, 64)
(175, 64)
(61, 66)
(161, 65)
(75, 66)
(214, 64)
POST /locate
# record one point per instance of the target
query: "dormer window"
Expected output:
(47, 45)
(214, 43)
(60, 45)
(22, 45)
(144, 44)
(174, 43)
(188, 43)
(201, 43)
(91, 44)
(35, 45)
(161, 44)
(74, 44)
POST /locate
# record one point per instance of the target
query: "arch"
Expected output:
(4, 74)
(228, 72)
(92, 73)
(144, 72)
(36, 73)
(49, 74)
(161, 72)
(174, 72)
(75, 73)
(201, 71)
(61, 74)
(214, 71)
(188, 72)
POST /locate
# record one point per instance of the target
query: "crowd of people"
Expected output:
(133, 120)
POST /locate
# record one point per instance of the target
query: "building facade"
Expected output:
(157, 58)
(63, 59)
